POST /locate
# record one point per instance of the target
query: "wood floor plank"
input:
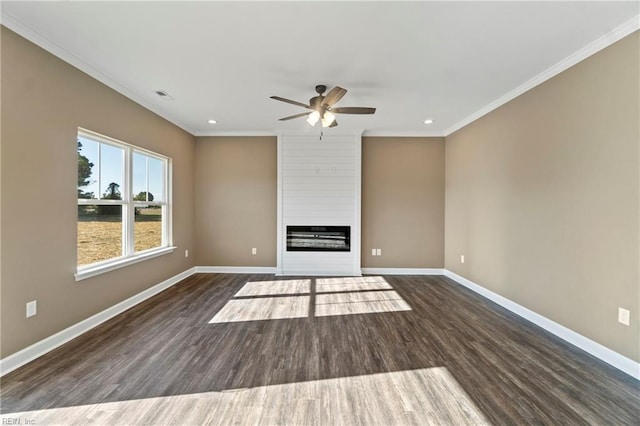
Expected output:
(325, 351)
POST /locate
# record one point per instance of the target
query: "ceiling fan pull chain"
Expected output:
(321, 133)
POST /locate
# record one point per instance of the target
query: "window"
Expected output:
(124, 205)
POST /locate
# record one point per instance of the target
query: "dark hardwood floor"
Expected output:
(487, 364)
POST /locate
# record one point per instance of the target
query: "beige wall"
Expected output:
(403, 202)
(44, 100)
(542, 198)
(235, 203)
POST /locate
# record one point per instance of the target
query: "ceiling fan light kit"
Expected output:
(313, 118)
(328, 118)
(322, 107)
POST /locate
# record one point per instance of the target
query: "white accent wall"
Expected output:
(319, 183)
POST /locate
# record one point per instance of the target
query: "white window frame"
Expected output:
(129, 255)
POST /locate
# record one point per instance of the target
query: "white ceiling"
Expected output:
(450, 61)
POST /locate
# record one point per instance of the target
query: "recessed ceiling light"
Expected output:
(212, 121)
(428, 121)
(164, 95)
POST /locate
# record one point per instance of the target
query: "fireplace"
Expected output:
(319, 202)
(318, 238)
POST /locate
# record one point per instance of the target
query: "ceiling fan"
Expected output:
(322, 107)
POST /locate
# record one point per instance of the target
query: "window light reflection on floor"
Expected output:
(288, 299)
(268, 288)
(263, 308)
(367, 302)
(421, 396)
(324, 285)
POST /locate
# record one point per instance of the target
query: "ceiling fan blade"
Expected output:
(334, 96)
(289, 101)
(353, 110)
(291, 117)
(334, 124)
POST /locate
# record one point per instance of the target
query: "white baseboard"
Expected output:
(317, 273)
(20, 358)
(607, 355)
(235, 270)
(403, 271)
(40, 348)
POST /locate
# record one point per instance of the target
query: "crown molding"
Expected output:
(79, 63)
(237, 133)
(364, 133)
(403, 134)
(597, 45)
(604, 41)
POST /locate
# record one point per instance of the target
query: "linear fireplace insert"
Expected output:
(318, 238)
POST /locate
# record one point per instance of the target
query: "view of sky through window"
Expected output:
(147, 174)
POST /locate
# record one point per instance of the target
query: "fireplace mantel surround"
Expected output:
(319, 185)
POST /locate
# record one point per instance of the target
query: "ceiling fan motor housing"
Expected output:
(322, 104)
(316, 102)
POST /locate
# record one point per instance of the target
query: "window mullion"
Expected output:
(129, 210)
(98, 196)
(146, 173)
(167, 236)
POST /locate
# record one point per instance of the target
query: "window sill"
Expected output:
(92, 271)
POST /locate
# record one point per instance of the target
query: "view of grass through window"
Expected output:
(99, 234)
(118, 217)
(147, 231)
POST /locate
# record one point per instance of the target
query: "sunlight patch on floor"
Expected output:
(270, 288)
(417, 397)
(324, 285)
(263, 308)
(369, 302)
(288, 299)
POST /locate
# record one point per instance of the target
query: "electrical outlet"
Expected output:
(254, 250)
(378, 252)
(373, 252)
(32, 308)
(623, 316)
(462, 258)
(186, 253)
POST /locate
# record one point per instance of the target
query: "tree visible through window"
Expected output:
(122, 200)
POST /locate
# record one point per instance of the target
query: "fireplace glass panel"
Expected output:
(318, 238)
